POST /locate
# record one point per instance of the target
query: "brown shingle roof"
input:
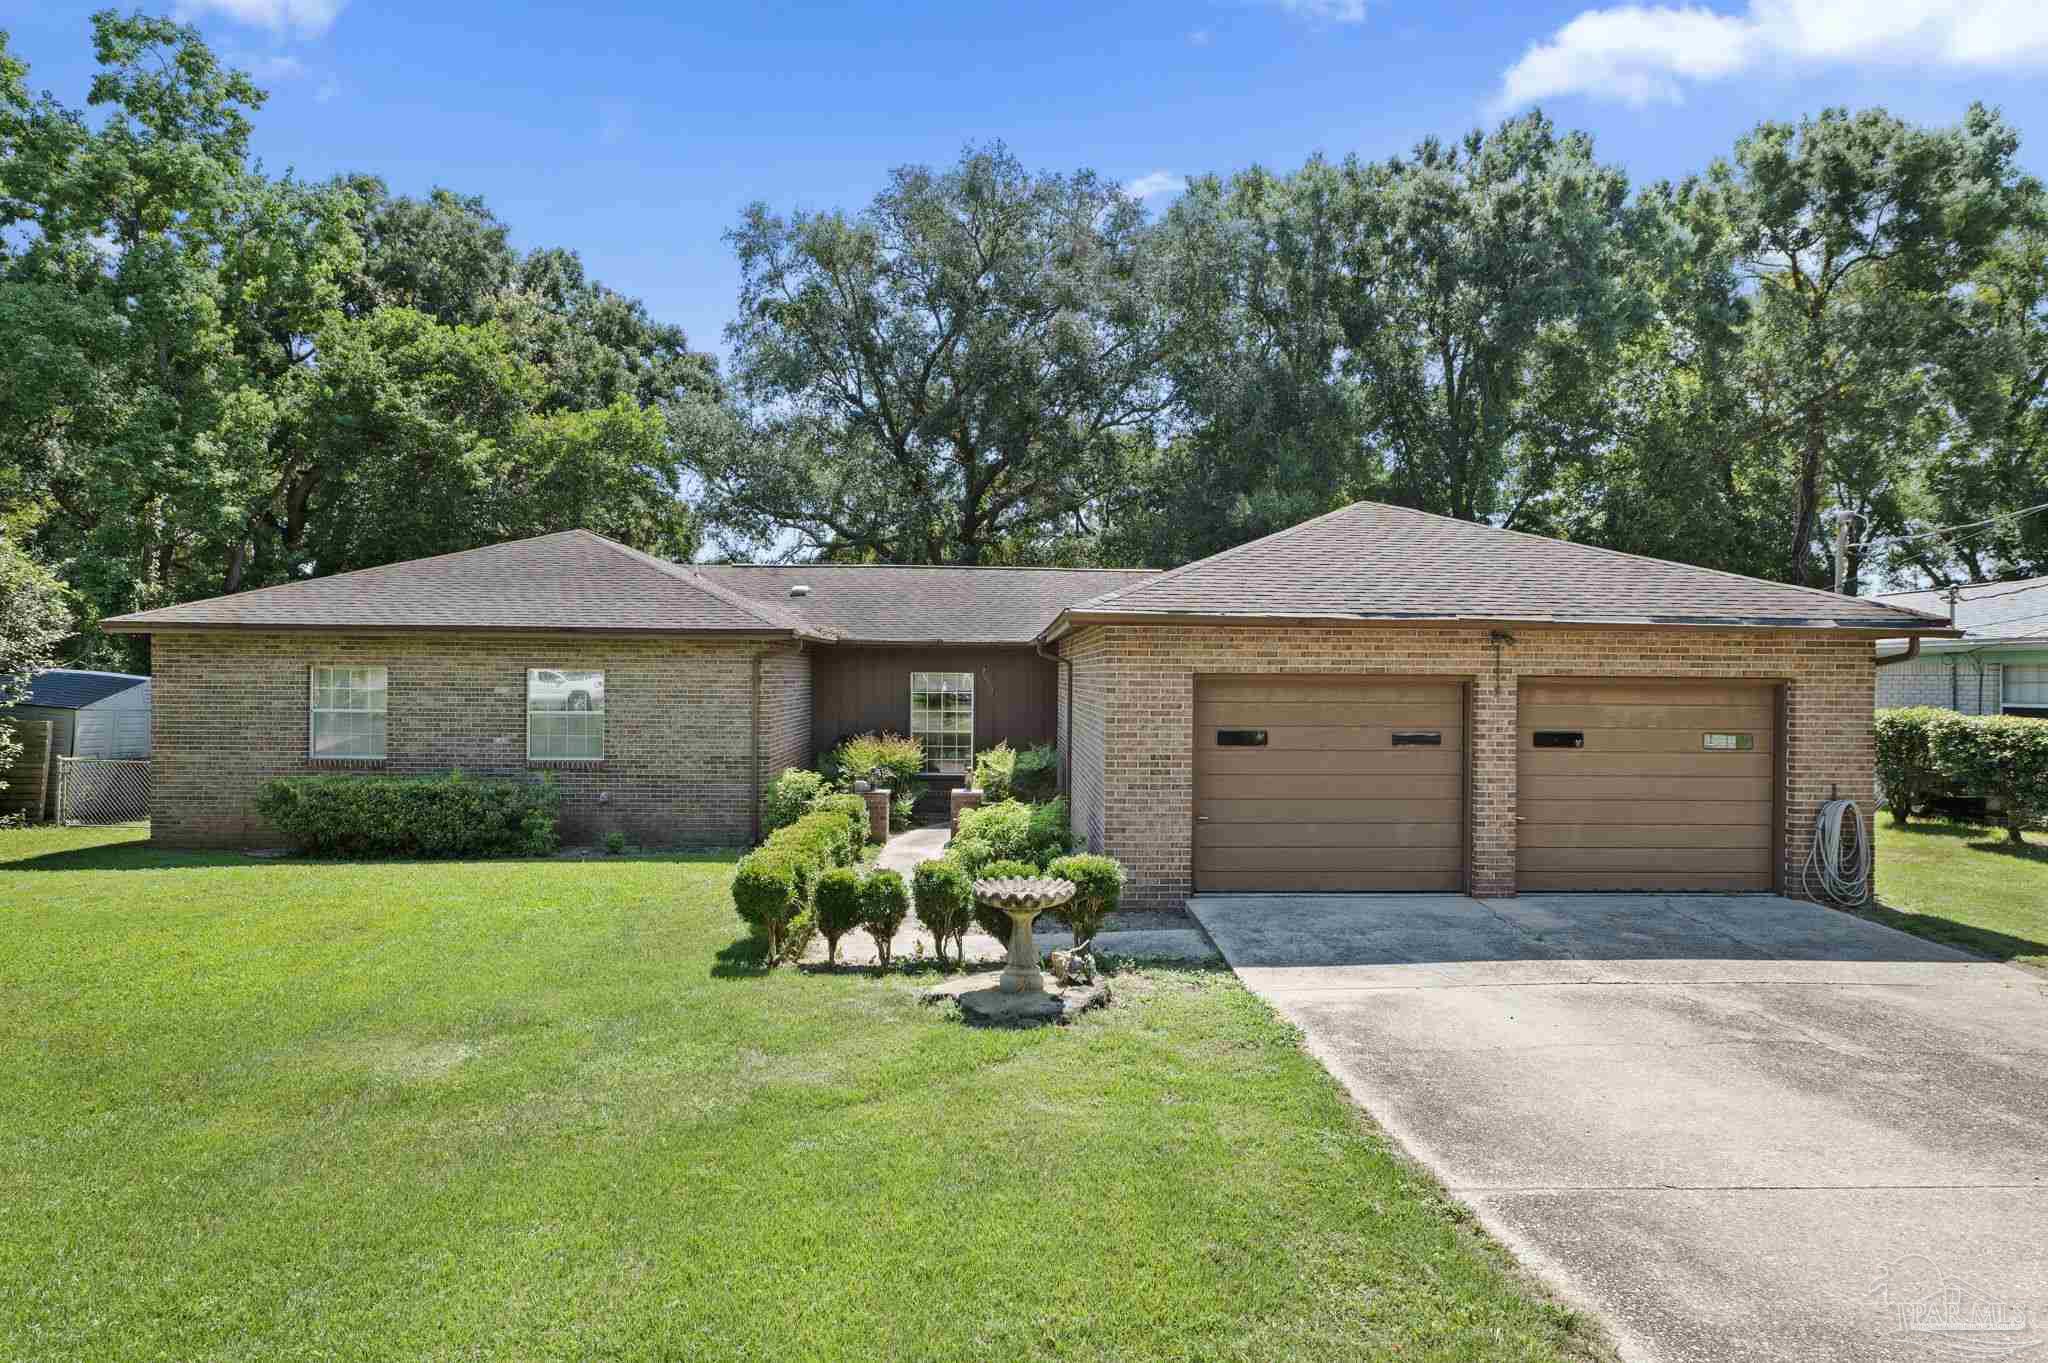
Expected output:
(859, 603)
(572, 581)
(1370, 561)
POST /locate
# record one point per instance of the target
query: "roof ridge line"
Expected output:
(933, 567)
(688, 576)
(1171, 573)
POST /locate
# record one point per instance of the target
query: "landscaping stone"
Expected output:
(981, 999)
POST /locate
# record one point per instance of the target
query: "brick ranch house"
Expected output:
(1378, 699)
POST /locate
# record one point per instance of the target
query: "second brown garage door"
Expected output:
(1646, 785)
(1340, 784)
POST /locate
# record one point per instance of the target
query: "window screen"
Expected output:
(2026, 689)
(564, 715)
(347, 706)
(942, 718)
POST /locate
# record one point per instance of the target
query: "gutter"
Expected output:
(1912, 652)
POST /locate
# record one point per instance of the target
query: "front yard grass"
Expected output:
(1967, 886)
(286, 1110)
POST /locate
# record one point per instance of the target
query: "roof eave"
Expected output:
(138, 625)
(1889, 629)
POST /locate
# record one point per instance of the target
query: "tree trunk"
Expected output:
(1812, 459)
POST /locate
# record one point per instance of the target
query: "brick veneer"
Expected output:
(1133, 716)
(230, 712)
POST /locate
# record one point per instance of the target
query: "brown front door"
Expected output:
(1646, 785)
(1328, 784)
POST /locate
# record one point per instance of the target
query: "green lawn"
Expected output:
(1966, 886)
(282, 1110)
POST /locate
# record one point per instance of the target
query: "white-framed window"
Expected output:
(942, 716)
(564, 715)
(347, 707)
(2024, 690)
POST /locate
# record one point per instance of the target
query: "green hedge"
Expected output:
(413, 816)
(1923, 752)
(774, 884)
(789, 797)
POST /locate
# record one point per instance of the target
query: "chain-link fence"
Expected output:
(101, 790)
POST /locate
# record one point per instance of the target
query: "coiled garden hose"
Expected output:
(1838, 869)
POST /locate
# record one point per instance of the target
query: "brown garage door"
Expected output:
(1311, 784)
(1646, 785)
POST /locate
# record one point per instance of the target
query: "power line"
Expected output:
(2033, 585)
(1949, 529)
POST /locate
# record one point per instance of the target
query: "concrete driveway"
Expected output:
(1734, 1127)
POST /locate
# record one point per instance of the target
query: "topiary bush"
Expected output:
(413, 816)
(884, 904)
(770, 893)
(1004, 826)
(987, 917)
(836, 906)
(2003, 757)
(1098, 888)
(1906, 772)
(943, 899)
(994, 770)
(790, 796)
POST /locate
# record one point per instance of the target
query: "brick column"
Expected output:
(878, 815)
(1495, 723)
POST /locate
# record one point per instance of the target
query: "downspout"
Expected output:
(1912, 652)
(1066, 748)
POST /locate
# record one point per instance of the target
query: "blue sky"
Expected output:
(636, 132)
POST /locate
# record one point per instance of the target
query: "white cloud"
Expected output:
(277, 68)
(1157, 183)
(1325, 11)
(306, 18)
(1200, 38)
(1645, 53)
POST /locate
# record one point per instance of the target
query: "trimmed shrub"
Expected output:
(994, 771)
(972, 853)
(1906, 773)
(413, 816)
(789, 797)
(987, 917)
(1038, 773)
(2003, 757)
(884, 904)
(903, 807)
(831, 837)
(1098, 887)
(836, 906)
(856, 811)
(944, 899)
(770, 893)
(1020, 832)
(1004, 826)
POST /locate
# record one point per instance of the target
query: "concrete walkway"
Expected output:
(905, 850)
(1733, 1127)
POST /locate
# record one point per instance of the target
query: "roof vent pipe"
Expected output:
(800, 589)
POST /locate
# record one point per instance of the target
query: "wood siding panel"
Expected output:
(858, 690)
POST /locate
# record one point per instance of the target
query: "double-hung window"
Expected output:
(347, 707)
(942, 718)
(2025, 691)
(564, 715)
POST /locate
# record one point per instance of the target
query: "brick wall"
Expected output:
(1949, 681)
(1134, 713)
(231, 712)
(785, 712)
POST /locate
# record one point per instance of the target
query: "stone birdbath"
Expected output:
(1023, 898)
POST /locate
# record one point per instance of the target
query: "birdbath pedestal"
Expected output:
(1023, 899)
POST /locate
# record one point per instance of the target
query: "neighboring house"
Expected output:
(1999, 665)
(89, 714)
(1377, 699)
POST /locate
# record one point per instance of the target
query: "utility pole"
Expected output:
(1842, 519)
